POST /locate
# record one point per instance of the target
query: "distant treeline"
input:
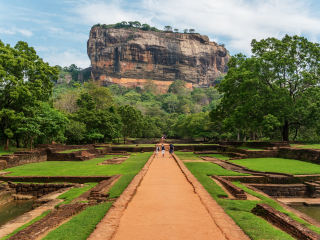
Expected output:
(145, 27)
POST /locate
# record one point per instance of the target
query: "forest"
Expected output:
(273, 95)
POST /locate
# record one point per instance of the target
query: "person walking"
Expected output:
(163, 150)
(171, 150)
(157, 150)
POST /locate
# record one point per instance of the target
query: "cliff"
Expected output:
(131, 57)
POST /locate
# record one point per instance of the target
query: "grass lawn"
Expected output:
(240, 211)
(307, 145)
(187, 155)
(72, 150)
(11, 151)
(80, 226)
(215, 156)
(279, 165)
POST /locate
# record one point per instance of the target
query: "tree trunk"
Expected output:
(238, 137)
(295, 134)
(18, 143)
(31, 144)
(285, 131)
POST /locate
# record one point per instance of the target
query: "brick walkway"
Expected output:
(168, 204)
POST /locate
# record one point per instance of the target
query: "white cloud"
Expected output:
(14, 30)
(66, 58)
(61, 33)
(236, 21)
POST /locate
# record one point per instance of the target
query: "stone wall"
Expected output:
(83, 155)
(306, 155)
(37, 190)
(235, 191)
(3, 164)
(284, 190)
(49, 179)
(273, 180)
(20, 158)
(285, 223)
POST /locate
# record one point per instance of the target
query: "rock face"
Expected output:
(133, 57)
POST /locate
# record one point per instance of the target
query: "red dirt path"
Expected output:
(166, 207)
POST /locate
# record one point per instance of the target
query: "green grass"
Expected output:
(279, 165)
(81, 225)
(219, 156)
(11, 151)
(75, 192)
(85, 168)
(240, 211)
(26, 225)
(307, 145)
(187, 155)
(192, 156)
(72, 150)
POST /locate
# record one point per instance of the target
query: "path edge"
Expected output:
(224, 222)
(107, 227)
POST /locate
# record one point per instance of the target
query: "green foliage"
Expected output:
(131, 120)
(130, 24)
(276, 90)
(73, 193)
(81, 225)
(240, 211)
(25, 82)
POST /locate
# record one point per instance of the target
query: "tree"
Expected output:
(145, 27)
(177, 86)
(131, 120)
(278, 86)
(176, 30)
(136, 24)
(25, 80)
(185, 30)
(168, 28)
(191, 30)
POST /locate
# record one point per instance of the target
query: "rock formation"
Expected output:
(131, 57)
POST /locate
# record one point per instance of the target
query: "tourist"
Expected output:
(162, 148)
(171, 150)
(157, 150)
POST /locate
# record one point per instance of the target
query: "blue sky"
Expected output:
(59, 29)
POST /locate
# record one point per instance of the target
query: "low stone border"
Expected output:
(52, 220)
(37, 190)
(99, 192)
(50, 179)
(285, 190)
(108, 225)
(237, 192)
(285, 223)
(225, 223)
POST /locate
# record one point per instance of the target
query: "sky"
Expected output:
(59, 29)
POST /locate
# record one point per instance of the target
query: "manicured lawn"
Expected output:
(11, 151)
(240, 211)
(72, 150)
(215, 156)
(187, 156)
(127, 169)
(279, 165)
(307, 145)
(192, 156)
(81, 225)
